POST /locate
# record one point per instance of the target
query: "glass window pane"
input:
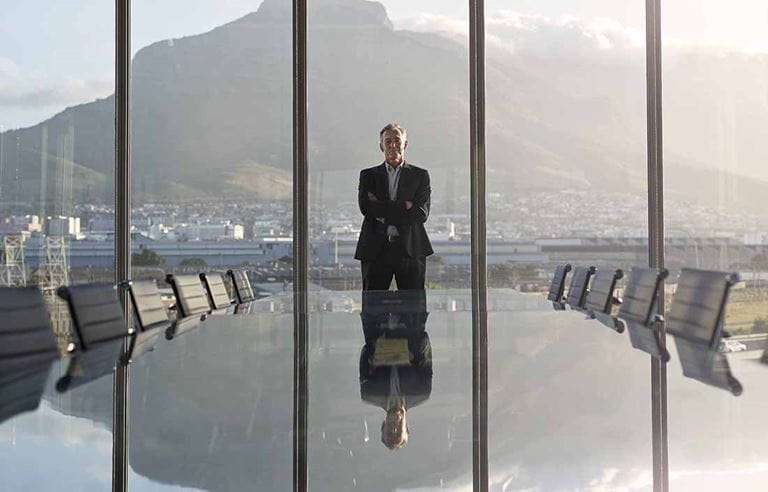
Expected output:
(57, 205)
(211, 122)
(566, 157)
(371, 64)
(715, 114)
(212, 184)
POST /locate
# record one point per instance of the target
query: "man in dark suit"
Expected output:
(394, 198)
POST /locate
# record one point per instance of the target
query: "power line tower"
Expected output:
(12, 269)
(54, 273)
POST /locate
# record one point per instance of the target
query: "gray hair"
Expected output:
(393, 127)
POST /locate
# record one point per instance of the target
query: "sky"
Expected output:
(57, 53)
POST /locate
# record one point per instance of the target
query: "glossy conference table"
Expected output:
(568, 407)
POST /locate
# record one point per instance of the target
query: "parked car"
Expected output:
(731, 346)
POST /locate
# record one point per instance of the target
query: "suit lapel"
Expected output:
(382, 182)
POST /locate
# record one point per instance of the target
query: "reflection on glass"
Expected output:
(566, 184)
(372, 364)
(715, 188)
(64, 431)
(57, 205)
(213, 414)
(91, 364)
(639, 312)
(396, 360)
(56, 150)
(21, 390)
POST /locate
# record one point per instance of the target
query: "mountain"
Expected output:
(212, 118)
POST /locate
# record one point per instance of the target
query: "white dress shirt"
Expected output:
(393, 174)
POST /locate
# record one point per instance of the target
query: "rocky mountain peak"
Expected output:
(350, 13)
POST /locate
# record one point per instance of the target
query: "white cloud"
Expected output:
(442, 24)
(33, 91)
(567, 35)
(538, 34)
(564, 35)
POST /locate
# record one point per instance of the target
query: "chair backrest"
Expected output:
(191, 298)
(640, 294)
(699, 305)
(242, 285)
(600, 296)
(97, 315)
(148, 305)
(21, 389)
(26, 335)
(557, 288)
(217, 290)
(577, 292)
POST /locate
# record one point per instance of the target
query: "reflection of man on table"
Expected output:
(394, 381)
(394, 197)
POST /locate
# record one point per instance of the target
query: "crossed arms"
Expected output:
(395, 212)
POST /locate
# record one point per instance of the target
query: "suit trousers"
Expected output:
(393, 261)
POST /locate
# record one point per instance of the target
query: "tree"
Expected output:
(147, 257)
(193, 263)
(510, 274)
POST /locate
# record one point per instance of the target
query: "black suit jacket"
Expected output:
(413, 186)
(409, 307)
(415, 379)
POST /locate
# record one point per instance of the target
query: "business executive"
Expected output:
(394, 198)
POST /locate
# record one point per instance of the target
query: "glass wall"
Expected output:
(212, 129)
(212, 182)
(569, 401)
(371, 64)
(57, 205)
(57, 149)
(567, 172)
(716, 218)
(566, 139)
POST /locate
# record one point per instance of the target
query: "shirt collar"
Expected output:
(394, 169)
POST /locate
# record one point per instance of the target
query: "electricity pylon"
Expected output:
(13, 272)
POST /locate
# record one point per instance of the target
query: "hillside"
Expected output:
(206, 106)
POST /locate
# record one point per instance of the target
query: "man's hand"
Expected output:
(408, 204)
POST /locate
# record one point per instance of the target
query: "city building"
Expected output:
(184, 187)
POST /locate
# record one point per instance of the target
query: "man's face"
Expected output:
(394, 430)
(393, 144)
